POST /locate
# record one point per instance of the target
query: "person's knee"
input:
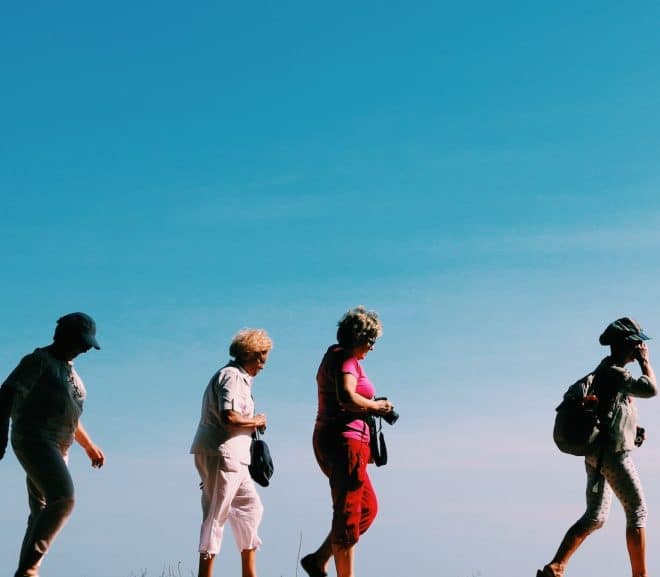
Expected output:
(373, 506)
(344, 540)
(591, 524)
(258, 509)
(256, 514)
(64, 504)
(597, 524)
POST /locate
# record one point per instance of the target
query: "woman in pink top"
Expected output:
(341, 440)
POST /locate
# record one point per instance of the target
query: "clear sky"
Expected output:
(484, 175)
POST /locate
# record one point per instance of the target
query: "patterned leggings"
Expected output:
(619, 476)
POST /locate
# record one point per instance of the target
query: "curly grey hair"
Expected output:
(358, 326)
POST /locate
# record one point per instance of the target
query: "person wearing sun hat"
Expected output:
(43, 398)
(611, 470)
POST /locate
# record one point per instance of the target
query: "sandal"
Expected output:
(308, 563)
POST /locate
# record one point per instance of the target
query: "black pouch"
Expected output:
(261, 463)
(377, 441)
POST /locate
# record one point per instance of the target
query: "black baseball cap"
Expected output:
(82, 325)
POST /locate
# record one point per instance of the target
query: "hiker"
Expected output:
(43, 397)
(611, 468)
(222, 453)
(341, 440)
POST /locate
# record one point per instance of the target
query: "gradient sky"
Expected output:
(483, 175)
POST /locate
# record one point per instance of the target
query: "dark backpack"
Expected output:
(577, 426)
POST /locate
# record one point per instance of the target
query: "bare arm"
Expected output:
(93, 451)
(237, 420)
(351, 401)
(646, 368)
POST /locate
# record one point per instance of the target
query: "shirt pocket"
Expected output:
(229, 461)
(243, 404)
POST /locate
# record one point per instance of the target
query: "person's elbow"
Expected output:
(651, 389)
(229, 417)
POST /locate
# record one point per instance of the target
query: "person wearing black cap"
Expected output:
(612, 470)
(43, 397)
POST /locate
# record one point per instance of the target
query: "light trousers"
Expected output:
(618, 476)
(227, 495)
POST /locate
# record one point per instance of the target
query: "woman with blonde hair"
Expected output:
(222, 453)
(341, 439)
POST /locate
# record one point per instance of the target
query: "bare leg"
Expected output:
(343, 559)
(205, 565)
(317, 562)
(574, 537)
(636, 541)
(249, 563)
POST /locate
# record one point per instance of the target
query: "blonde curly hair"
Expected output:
(246, 342)
(358, 326)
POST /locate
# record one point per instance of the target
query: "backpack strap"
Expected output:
(604, 425)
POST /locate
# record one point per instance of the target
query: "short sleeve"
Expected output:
(228, 390)
(25, 375)
(641, 387)
(350, 366)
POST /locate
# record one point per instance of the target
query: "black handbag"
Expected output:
(261, 463)
(377, 441)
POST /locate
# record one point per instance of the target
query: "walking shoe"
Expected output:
(308, 563)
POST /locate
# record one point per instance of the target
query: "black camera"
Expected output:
(391, 417)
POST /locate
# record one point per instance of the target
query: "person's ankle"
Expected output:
(556, 568)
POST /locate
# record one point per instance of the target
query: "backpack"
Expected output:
(577, 426)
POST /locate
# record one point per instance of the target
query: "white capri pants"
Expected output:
(619, 476)
(227, 495)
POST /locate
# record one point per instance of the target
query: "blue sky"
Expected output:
(485, 176)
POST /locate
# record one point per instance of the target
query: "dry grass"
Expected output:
(170, 571)
(176, 570)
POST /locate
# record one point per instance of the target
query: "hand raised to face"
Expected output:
(642, 352)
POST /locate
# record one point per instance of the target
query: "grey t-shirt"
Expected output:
(612, 381)
(48, 399)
